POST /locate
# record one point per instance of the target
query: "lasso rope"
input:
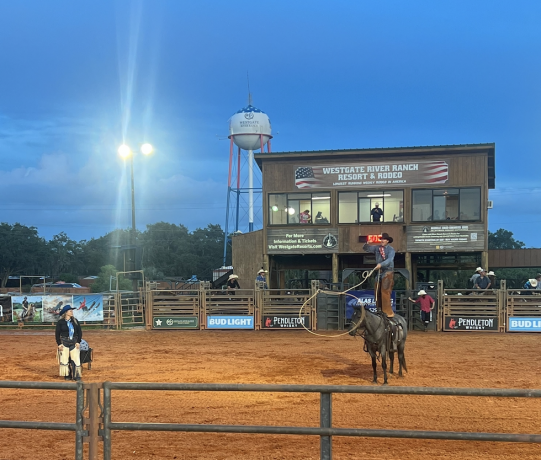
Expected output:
(365, 275)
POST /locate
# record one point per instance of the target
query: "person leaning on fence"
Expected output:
(492, 277)
(532, 284)
(232, 284)
(482, 282)
(68, 338)
(385, 279)
(476, 275)
(427, 305)
(262, 278)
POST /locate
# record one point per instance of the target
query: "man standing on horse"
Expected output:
(385, 279)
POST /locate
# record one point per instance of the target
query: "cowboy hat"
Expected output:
(421, 292)
(385, 236)
(65, 309)
(491, 273)
(533, 282)
(478, 269)
(261, 271)
(232, 276)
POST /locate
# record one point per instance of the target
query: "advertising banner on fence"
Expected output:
(286, 322)
(88, 307)
(230, 322)
(27, 308)
(176, 322)
(471, 323)
(52, 304)
(523, 324)
(5, 309)
(366, 298)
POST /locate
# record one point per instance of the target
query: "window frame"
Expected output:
(380, 200)
(438, 195)
(298, 197)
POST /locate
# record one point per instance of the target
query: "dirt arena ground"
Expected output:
(277, 357)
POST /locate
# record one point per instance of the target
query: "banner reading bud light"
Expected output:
(521, 324)
(230, 322)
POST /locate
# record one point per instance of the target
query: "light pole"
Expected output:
(125, 152)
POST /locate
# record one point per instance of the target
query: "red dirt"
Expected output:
(277, 357)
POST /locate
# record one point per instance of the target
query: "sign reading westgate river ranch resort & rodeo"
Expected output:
(372, 174)
(302, 240)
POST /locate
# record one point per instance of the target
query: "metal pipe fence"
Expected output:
(325, 430)
(77, 426)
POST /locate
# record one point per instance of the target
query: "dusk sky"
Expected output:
(79, 78)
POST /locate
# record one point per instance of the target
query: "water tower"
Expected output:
(249, 130)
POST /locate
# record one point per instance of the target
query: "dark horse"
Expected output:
(378, 339)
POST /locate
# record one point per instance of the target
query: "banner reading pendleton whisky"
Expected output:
(372, 174)
(434, 238)
(302, 240)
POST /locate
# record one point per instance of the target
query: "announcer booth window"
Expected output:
(299, 208)
(356, 207)
(462, 204)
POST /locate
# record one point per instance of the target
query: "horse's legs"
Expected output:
(401, 359)
(383, 353)
(374, 366)
(391, 359)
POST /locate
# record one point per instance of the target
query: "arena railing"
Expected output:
(77, 426)
(325, 430)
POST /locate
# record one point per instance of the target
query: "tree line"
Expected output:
(165, 250)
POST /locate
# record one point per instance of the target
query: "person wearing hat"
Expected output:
(534, 283)
(376, 213)
(482, 282)
(476, 275)
(427, 305)
(232, 284)
(492, 277)
(261, 277)
(385, 278)
(68, 338)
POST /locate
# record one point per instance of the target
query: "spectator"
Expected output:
(376, 213)
(533, 283)
(482, 282)
(476, 275)
(305, 217)
(492, 277)
(262, 278)
(427, 305)
(232, 284)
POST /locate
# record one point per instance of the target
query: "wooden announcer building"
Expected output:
(319, 206)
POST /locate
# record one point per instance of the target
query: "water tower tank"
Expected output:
(249, 127)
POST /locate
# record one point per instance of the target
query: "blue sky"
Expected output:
(79, 78)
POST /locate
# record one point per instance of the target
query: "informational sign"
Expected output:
(230, 322)
(371, 174)
(434, 238)
(471, 323)
(524, 324)
(304, 240)
(175, 322)
(366, 298)
(286, 322)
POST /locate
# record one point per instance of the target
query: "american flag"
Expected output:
(435, 172)
(307, 177)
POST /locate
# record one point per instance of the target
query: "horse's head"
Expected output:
(357, 320)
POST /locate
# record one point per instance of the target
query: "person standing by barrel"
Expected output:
(68, 338)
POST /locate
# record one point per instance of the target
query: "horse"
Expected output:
(377, 338)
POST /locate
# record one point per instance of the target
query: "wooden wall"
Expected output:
(247, 257)
(514, 258)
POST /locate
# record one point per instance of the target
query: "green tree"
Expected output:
(107, 277)
(503, 239)
(23, 251)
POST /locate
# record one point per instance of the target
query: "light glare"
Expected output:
(124, 151)
(147, 149)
